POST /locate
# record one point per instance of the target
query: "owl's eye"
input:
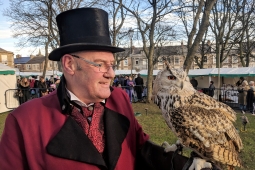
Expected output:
(171, 77)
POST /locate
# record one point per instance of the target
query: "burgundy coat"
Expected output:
(40, 135)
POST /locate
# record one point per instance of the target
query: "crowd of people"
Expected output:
(34, 87)
(246, 95)
(133, 85)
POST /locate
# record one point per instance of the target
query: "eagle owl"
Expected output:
(200, 122)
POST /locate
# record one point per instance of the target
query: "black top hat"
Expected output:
(83, 29)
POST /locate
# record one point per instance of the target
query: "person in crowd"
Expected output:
(125, 86)
(36, 84)
(130, 88)
(48, 82)
(32, 89)
(52, 81)
(116, 81)
(240, 81)
(57, 81)
(24, 87)
(31, 82)
(85, 123)
(194, 82)
(18, 82)
(122, 78)
(242, 95)
(250, 97)
(139, 86)
(211, 89)
(43, 87)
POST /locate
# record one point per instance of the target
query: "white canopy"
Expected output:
(7, 82)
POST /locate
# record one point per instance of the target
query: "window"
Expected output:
(160, 61)
(205, 59)
(126, 62)
(176, 60)
(136, 62)
(37, 67)
(234, 59)
(145, 62)
(214, 59)
(4, 59)
(226, 60)
(28, 66)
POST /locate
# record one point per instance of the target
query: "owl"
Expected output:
(200, 122)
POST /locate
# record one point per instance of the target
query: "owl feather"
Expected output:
(199, 121)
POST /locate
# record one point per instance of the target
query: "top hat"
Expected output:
(83, 29)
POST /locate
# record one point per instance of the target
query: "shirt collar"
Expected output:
(75, 99)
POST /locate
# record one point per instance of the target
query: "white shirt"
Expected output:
(77, 100)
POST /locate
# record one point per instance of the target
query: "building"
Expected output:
(7, 58)
(34, 63)
(138, 61)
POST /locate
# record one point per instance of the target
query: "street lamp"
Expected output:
(130, 34)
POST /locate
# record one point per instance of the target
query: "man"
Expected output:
(211, 89)
(250, 97)
(85, 123)
(139, 86)
(43, 87)
(194, 82)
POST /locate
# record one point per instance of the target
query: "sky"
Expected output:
(6, 41)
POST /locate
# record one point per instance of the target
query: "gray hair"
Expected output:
(251, 83)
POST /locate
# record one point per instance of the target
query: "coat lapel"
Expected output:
(116, 129)
(72, 143)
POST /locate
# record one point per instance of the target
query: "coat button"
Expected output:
(90, 108)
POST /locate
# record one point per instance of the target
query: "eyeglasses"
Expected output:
(103, 68)
(171, 77)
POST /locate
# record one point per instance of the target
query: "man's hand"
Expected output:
(199, 164)
(169, 148)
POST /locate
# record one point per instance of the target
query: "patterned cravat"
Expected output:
(91, 121)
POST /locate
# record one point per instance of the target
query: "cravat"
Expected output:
(91, 121)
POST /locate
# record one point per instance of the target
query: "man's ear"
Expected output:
(67, 62)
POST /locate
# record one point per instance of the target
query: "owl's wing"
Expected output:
(204, 101)
(205, 126)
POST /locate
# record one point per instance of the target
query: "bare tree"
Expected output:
(33, 21)
(118, 32)
(150, 15)
(243, 35)
(224, 19)
(203, 10)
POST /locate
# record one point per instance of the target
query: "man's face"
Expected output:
(89, 83)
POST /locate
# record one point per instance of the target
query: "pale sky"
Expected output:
(6, 40)
(8, 43)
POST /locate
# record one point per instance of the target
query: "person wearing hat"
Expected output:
(85, 123)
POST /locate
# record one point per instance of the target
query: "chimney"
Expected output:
(18, 56)
(208, 43)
